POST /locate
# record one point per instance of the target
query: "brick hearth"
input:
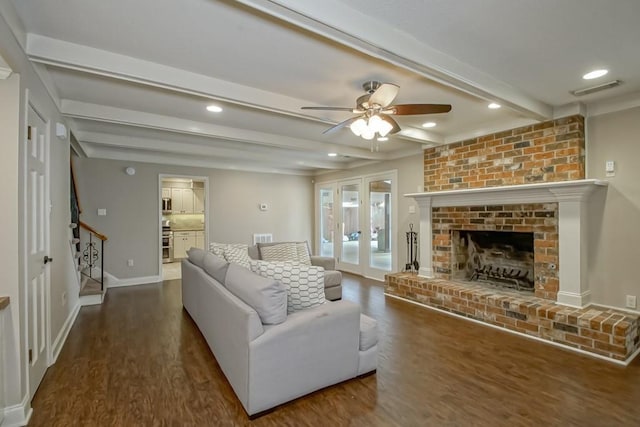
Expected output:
(605, 332)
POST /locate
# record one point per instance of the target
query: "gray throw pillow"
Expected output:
(267, 297)
(216, 267)
(196, 256)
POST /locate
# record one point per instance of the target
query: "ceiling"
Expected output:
(134, 78)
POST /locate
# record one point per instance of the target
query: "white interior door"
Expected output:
(37, 245)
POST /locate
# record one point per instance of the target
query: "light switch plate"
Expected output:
(102, 212)
(412, 209)
(610, 168)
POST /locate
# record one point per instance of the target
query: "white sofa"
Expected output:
(270, 364)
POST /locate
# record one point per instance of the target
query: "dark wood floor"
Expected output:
(139, 360)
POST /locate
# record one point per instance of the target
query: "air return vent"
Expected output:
(597, 88)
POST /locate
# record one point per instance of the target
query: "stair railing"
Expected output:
(91, 255)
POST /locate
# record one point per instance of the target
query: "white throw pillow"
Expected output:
(305, 284)
(285, 252)
(237, 255)
(303, 253)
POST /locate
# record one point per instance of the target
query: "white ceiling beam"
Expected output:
(62, 54)
(343, 24)
(83, 110)
(273, 156)
(74, 56)
(110, 153)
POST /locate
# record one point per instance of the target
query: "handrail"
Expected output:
(93, 231)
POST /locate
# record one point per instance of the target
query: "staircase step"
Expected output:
(90, 287)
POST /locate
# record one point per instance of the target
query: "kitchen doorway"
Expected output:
(183, 217)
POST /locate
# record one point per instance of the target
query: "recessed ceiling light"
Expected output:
(214, 108)
(494, 106)
(595, 74)
(383, 139)
(332, 154)
(429, 124)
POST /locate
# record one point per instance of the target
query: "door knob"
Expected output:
(47, 259)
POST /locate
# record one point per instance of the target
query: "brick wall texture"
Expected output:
(606, 332)
(544, 152)
(539, 219)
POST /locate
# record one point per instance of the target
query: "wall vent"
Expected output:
(262, 238)
(597, 88)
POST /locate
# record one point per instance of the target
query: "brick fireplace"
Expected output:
(526, 180)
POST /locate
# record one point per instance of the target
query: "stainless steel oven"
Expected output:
(167, 244)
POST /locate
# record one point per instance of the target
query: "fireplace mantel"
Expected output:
(571, 197)
(543, 192)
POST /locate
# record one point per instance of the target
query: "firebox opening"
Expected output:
(497, 258)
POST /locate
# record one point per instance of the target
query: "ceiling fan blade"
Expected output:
(341, 125)
(409, 109)
(396, 126)
(384, 95)
(328, 108)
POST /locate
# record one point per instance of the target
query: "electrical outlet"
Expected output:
(631, 301)
(130, 262)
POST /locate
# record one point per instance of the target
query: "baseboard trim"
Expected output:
(18, 415)
(64, 332)
(531, 337)
(134, 281)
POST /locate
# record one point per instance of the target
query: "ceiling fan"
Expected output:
(374, 110)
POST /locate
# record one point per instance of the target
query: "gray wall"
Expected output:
(614, 218)
(131, 223)
(410, 179)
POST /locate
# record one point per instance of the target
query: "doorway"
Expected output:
(356, 223)
(183, 212)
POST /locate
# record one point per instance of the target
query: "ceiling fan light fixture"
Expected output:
(358, 127)
(368, 134)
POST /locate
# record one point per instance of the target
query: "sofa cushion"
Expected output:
(266, 296)
(332, 278)
(215, 266)
(304, 284)
(368, 332)
(196, 256)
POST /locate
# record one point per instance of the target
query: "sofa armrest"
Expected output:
(312, 349)
(326, 262)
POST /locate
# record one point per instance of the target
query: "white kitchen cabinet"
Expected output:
(200, 239)
(198, 200)
(182, 242)
(166, 193)
(181, 200)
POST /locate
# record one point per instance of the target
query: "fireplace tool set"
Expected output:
(412, 264)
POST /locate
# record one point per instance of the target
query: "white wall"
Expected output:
(12, 118)
(132, 205)
(614, 218)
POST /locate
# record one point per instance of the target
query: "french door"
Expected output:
(356, 223)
